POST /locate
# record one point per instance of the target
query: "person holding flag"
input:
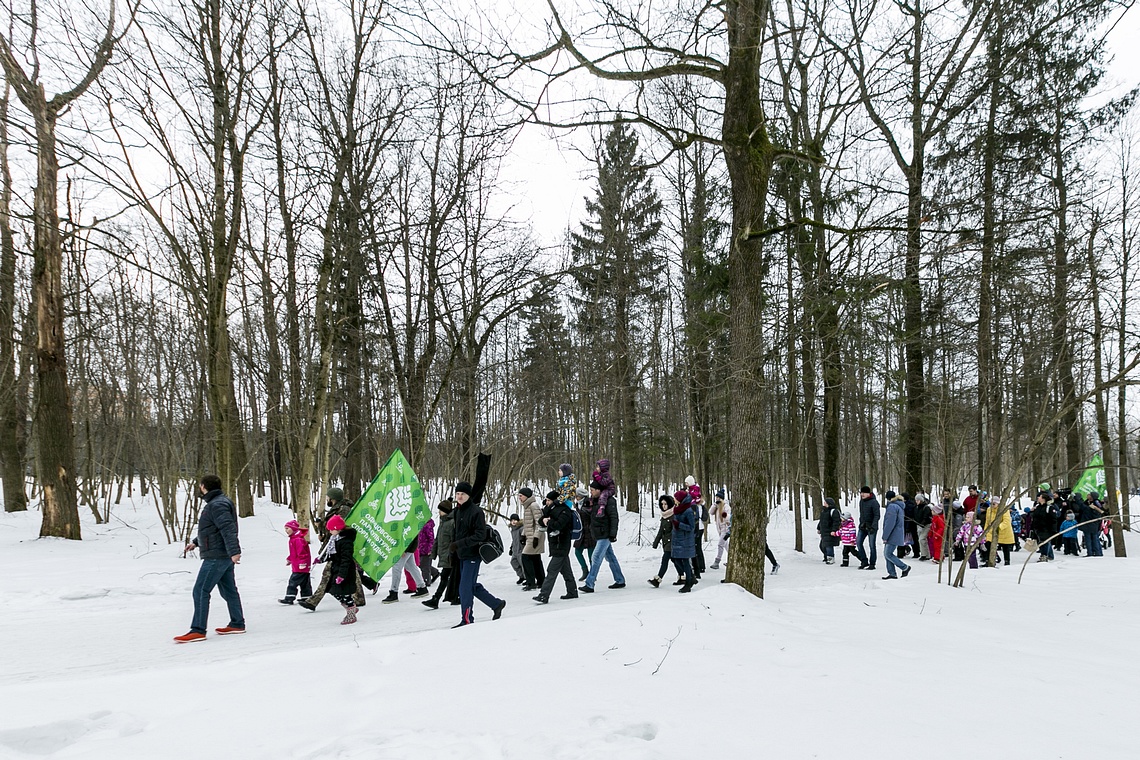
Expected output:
(470, 531)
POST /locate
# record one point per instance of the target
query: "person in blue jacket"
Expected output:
(684, 537)
(894, 536)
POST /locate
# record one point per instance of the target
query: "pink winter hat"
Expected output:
(336, 522)
(293, 524)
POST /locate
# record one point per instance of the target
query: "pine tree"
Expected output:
(617, 271)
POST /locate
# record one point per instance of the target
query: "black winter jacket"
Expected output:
(342, 562)
(560, 529)
(869, 515)
(604, 520)
(922, 514)
(587, 540)
(217, 527)
(830, 521)
(664, 537)
(470, 522)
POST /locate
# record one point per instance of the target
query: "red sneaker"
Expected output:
(228, 630)
(187, 638)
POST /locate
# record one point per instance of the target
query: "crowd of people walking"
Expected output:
(583, 520)
(969, 530)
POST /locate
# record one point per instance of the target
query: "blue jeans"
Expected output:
(1092, 541)
(862, 534)
(220, 573)
(1046, 549)
(604, 549)
(471, 589)
(892, 560)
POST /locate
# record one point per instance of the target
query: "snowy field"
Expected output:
(835, 663)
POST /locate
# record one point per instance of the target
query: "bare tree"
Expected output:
(55, 444)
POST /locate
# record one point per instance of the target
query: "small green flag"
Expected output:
(1092, 479)
(388, 516)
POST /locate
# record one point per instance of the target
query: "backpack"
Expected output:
(576, 533)
(492, 546)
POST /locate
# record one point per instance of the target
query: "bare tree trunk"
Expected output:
(748, 154)
(1108, 452)
(55, 442)
(13, 407)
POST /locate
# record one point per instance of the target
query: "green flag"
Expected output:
(1092, 479)
(388, 516)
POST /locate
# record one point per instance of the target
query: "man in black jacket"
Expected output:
(604, 525)
(470, 531)
(868, 527)
(559, 524)
(217, 541)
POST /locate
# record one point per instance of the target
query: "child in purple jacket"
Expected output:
(426, 542)
(300, 560)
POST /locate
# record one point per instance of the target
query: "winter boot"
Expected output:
(392, 597)
(655, 582)
(432, 603)
(679, 582)
(715, 565)
(685, 589)
(349, 615)
(307, 604)
(775, 569)
(286, 600)
(420, 592)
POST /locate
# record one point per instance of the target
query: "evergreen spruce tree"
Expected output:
(617, 270)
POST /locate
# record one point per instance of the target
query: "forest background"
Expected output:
(824, 243)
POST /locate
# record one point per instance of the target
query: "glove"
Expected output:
(339, 580)
(452, 548)
(534, 542)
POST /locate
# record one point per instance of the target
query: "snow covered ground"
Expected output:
(834, 663)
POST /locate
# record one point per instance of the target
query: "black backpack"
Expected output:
(492, 546)
(576, 533)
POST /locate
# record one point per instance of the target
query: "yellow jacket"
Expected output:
(1004, 526)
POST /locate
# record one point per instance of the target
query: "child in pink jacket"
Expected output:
(847, 535)
(300, 560)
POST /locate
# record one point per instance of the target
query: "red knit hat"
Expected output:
(336, 522)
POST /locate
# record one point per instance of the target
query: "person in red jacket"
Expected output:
(300, 560)
(937, 532)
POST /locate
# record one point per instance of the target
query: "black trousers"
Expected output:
(848, 552)
(300, 581)
(448, 587)
(559, 566)
(533, 570)
(699, 557)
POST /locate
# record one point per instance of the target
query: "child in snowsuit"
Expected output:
(343, 566)
(567, 485)
(516, 548)
(847, 533)
(423, 551)
(967, 536)
(1069, 534)
(606, 483)
(937, 535)
(300, 560)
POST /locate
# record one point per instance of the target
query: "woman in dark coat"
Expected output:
(664, 539)
(830, 521)
(684, 538)
(585, 545)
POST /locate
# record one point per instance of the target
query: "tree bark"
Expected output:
(13, 406)
(748, 154)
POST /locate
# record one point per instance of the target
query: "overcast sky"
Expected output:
(552, 179)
